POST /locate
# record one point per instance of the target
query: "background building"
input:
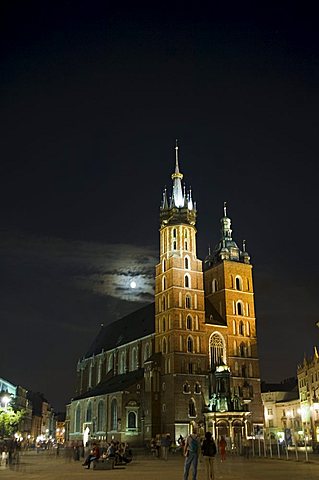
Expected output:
(190, 359)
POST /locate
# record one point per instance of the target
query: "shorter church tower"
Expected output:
(230, 319)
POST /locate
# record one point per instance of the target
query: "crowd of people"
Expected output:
(117, 451)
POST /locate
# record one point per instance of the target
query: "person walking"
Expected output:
(209, 451)
(222, 448)
(191, 452)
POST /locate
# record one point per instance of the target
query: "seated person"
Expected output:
(94, 455)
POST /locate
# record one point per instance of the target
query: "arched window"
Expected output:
(114, 414)
(238, 283)
(174, 245)
(240, 308)
(241, 329)
(88, 417)
(164, 283)
(187, 281)
(146, 352)
(217, 350)
(131, 420)
(110, 362)
(248, 329)
(174, 232)
(186, 263)
(189, 323)
(164, 324)
(214, 285)
(101, 417)
(186, 244)
(242, 350)
(134, 359)
(197, 388)
(188, 301)
(122, 362)
(186, 388)
(164, 347)
(190, 344)
(191, 408)
(77, 423)
(164, 265)
(164, 303)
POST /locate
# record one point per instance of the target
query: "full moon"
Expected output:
(133, 284)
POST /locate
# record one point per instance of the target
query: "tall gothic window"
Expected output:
(191, 408)
(186, 263)
(114, 414)
(187, 281)
(77, 426)
(189, 323)
(101, 417)
(89, 412)
(110, 362)
(190, 345)
(217, 350)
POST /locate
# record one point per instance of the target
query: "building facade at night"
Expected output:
(190, 358)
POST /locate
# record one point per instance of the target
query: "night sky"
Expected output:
(93, 97)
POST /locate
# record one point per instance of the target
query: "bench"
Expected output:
(104, 464)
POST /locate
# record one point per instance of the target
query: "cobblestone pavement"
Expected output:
(48, 467)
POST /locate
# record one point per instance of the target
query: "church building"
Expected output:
(188, 359)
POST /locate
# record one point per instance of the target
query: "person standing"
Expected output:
(209, 451)
(222, 448)
(191, 452)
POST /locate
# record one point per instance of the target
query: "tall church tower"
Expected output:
(179, 310)
(233, 343)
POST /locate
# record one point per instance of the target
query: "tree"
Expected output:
(9, 421)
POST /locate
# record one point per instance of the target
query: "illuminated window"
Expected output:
(217, 350)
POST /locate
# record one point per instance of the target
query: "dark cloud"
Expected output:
(54, 295)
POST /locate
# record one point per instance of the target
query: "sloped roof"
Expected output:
(212, 316)
(131, 327)
(114, 384)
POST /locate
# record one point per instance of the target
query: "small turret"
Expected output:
(227, 249)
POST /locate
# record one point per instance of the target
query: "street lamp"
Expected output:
(5, 400)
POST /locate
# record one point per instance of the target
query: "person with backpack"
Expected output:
(209, 451)
(191, 452)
